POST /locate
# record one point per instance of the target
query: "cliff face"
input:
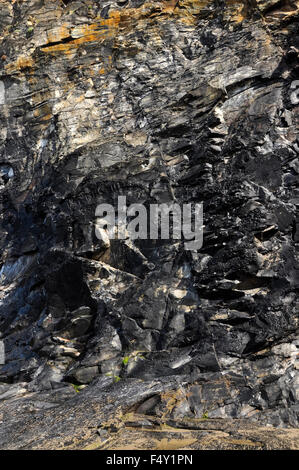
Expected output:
(186, 101)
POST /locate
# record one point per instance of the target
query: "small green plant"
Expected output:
(78, 388)
(125, 360)
(135, 355)
(116, 378)
(205, 415)
(30, 30)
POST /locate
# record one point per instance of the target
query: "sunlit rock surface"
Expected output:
(179, 101)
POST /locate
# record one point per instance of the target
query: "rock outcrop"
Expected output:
(158, 101)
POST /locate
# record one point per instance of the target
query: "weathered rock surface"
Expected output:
(106, 417)
(158, 101)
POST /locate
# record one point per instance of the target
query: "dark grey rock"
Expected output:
(148, 406)
(187, 102)
(85, 375)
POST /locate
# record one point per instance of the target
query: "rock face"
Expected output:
(158, 101)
